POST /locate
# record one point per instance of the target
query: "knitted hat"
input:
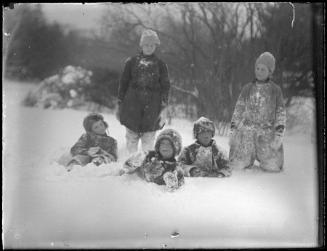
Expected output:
(149, 36)
(173, 136)
(203, 124)
(268, 60)
(92, 118)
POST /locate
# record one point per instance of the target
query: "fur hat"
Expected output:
(173, 136)
(203, 124)
(149, 36)
(268, 60)
(92, 118)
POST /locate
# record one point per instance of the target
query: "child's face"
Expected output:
(148, 48)
(205, 137)
(261, 72)
(99, 127)
(165, 149)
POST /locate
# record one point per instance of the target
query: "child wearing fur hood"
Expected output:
(159, 166)
(204, 158)
(258, 122)
(95, 145)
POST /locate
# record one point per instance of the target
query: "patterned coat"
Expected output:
(261, 105)
(151, 167)
(143, 91)
(210, 160)
(89, 139)
(258, 124)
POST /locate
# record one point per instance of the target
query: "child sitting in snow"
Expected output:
(258, 122)
(203, 158)
(159, 166)
(95, 145)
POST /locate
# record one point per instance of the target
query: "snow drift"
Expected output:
(91, 207)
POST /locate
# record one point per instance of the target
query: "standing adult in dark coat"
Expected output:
(143, 94)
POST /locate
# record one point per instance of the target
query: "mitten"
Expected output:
(198, 172)
(171, 180)
(118, 112)
(98, 160)
(224, 172)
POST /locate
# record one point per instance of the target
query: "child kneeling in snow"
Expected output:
(203, 158)
(94, 145)
(159, 166)
(258, 122)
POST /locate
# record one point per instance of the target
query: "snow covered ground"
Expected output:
(46, 207)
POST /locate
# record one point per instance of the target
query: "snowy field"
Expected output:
(46, 207)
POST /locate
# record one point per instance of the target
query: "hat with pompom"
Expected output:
(203, 124)
(149, 36)
(92, 118)
(268, 60)
(174, 138)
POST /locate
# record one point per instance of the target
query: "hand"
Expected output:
(93, 150)
(196, 172)
(164, 104)
(111, 158)
(231, 136)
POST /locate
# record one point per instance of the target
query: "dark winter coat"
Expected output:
(143, 90)
(209, 159)
(89, 139)
(151, 167)
(260, 105)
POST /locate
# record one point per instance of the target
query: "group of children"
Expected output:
(257, 126)
(166, 164)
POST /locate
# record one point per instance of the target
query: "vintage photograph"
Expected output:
(162, 125)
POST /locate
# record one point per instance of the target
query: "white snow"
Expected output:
(46, 207)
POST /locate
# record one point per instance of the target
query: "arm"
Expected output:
(81, 146)
(222, 162)
(280, 121)
(112, 150)
(164, 83)
(152, 169)
(124, 80)
(239, 109)
(134, 162)
(185, 162)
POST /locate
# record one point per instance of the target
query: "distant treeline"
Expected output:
(210, 48)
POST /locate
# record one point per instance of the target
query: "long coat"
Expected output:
(143, 89)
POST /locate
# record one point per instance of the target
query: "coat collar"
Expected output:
(212, 142)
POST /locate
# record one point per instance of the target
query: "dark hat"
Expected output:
(92, 118)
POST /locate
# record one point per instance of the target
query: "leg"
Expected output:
(242, 149)
(271, 160)
(147, 139)
(132, 140)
